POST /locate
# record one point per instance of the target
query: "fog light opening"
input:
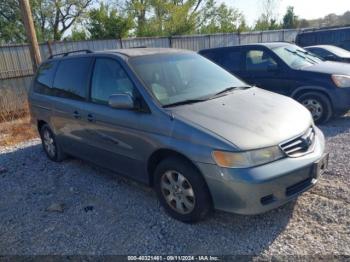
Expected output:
(267, 199)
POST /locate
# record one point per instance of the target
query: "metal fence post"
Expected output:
(121, 43)
(49, 47)
(170, 41)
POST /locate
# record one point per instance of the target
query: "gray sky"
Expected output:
(309, 9)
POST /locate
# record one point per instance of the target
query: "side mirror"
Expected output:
(121, 101)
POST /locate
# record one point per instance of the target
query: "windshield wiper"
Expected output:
(185, 102)
(303, 57)
(227, 90)
(308, 53)
(192, 101)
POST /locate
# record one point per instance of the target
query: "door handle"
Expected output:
(90, 118)
(76, 115)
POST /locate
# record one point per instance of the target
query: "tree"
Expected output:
(224, 20)
(77, 34)
(105, 22)
(303, 23)
(54, 17)
(290, 20)
(166, 17)
(180, 16)
(268, 19)
(11, 27)
(138, 9)
(264, 24)
(243, 27)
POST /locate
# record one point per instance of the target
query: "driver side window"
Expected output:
(109, 78)
(259, 60)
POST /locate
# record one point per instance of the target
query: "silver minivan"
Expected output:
(178, 122)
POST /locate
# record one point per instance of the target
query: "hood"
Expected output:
(250, 119)
(329, 67)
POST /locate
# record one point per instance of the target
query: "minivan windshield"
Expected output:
(295, 56)
(183, 77)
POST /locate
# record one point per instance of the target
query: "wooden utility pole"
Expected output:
(30, 31)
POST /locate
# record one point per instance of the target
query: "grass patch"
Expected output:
(16, 131)
(13, 104)
(14, 116)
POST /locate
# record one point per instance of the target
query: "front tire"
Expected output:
(50, 145)
(182, 190)
(319, 106)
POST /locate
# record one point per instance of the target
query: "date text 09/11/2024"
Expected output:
(173, 258)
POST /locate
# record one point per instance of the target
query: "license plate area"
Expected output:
(320, 166)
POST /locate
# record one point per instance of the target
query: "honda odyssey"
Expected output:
(178, 122)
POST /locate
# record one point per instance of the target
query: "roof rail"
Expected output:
(87, 51)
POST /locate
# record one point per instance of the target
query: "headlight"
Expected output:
(341, 80)
(247, 158)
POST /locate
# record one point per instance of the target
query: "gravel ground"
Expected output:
(100, 213)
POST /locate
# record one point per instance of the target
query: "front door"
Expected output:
(115, 136)
(264, 70)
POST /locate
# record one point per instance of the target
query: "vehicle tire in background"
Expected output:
(50, 145)
(318, 104)
(182, 190)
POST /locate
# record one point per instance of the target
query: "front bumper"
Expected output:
(259, 189)
(341, 101)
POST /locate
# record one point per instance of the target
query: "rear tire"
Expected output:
(182, 190)
(319, 106)
(50, 145)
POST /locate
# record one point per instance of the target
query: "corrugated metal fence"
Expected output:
(16, 68)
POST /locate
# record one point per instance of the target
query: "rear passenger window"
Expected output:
(109, 78)
(228, 59)
(71, 78)
(259, 60)
(44, 79)
(231, 60)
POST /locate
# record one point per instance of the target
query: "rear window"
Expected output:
(72, 78)
(44, 79)
(229, 59)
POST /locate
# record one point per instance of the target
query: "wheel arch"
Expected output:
(321, 92)
(40, 123)
(161, 154)
(317, 89)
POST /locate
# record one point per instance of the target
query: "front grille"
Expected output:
(300, 145)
